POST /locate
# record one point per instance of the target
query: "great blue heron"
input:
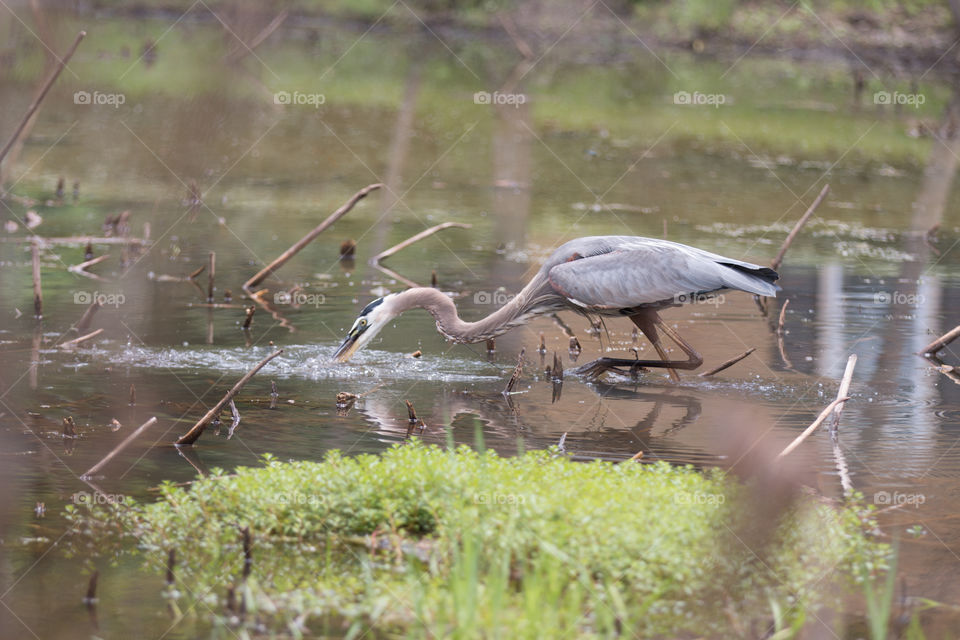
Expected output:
(601, 275)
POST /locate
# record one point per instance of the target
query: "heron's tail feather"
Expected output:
(750, 278)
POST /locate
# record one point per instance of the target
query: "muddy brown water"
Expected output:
(859, 280)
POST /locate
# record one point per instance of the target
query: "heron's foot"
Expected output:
(596, 368)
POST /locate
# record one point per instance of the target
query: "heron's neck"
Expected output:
(449, 324)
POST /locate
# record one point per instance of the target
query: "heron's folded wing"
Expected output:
(648, 275)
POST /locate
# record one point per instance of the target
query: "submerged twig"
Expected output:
(775, 264)
(729, 363)
(120, 447)
(191, 436)
(307, 239)
(516, 373)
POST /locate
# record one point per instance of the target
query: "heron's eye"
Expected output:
(362, 323)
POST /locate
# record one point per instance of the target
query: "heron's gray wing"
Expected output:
(651, 274)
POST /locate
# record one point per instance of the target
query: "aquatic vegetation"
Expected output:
(428, 541)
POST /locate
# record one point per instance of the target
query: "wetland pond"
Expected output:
(597, 147)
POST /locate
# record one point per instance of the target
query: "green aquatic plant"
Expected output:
(429, 541)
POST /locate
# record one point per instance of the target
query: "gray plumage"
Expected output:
(613, 273)
(607, 275)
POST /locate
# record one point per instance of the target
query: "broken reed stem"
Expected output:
(87, 316)
(844, 390)
(413, 419)
(416, 238)
(76, 341)
(775, 264)
(91, 596)
(120, 447)
(211, 274)
(517, 370)
(941, 342)
(43, 94)
(171, 563)
(729, 363)
(247, 552)
(191, 436)
(234, 419)
(250, 311)
(557, 371)
(79, 240)
(813, 427)
(783, 317)
(37, 289)
(307, 239)
(88, 263)
(133, 395)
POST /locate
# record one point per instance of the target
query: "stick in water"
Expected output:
(37, 289)
(844, 390)
(211, 274)
(120, 447)
(783, 317)
(43, 94)
(76, 341)
(84, 322)
(729, 363)
(307, 239)
(416, 238)
(813, 427)
(797, 227)
(941, 342)
(194, 434)
(516, 374)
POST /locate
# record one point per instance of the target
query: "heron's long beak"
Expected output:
(348, 347)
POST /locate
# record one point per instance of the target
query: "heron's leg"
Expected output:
(647, 321)
(694, 359)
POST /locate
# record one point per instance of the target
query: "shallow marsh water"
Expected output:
(859, 280)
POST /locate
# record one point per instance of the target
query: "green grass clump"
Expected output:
(431, 542)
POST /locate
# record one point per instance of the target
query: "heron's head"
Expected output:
(374, 317)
